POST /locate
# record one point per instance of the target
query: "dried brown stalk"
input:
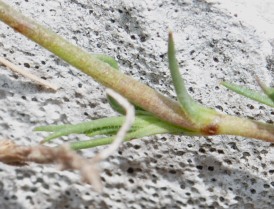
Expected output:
(17, 155)
(26, 74)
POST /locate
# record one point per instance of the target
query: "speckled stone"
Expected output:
(161, 172)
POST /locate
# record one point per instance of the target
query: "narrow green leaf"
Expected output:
(267, 90)
(107, 59)
(158, 127)
(251, 94)
(184, 98)
(91, 143)
(196, 113)
(99, 125)
(103, 126)
(113, 103)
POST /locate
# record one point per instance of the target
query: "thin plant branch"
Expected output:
(199, 121)
(17, 155)
(151, 100)
(26, 74)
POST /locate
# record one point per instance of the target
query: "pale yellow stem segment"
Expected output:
(28, 75)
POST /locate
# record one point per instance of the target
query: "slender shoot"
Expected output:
(249, 93)
(267, 90)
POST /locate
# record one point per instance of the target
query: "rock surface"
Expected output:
(213, 42)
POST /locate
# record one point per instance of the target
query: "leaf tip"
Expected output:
(170, 35)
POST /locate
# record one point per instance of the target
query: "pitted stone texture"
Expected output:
(155, 172)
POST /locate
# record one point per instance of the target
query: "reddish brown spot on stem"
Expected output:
(21, 28)
(211, 129)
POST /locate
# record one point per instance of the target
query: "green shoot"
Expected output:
(267, 90)
(156, 113)
(149, 130)
(249, 93)
(196, 113)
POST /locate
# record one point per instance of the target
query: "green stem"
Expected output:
(136, 92)
(231, 125)
(150, 100)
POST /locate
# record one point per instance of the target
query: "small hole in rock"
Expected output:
(200, 167)
(27, 65)
(192, 52)
(202, 150)
(266, 186)
(219, 107)
(130, 170)
(250, 106)
(220, 151)
(143, 38)
(172, 172)
(212, 149)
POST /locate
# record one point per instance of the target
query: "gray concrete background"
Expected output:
(215, 40)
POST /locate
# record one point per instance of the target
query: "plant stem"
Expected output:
(139, 94)
(231, 125)
(147, 98)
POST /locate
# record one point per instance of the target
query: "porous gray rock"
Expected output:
(163, 171)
